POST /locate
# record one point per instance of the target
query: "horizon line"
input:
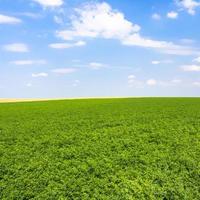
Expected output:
(13, 100)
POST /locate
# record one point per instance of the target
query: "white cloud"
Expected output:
(197, 59)
(76, 83)
(131, 76)
(22, 62)
(64, 70)
(196, 84)
(50, 3)
(29, 85)
(99, 20)
(30, 15)
(156, 16)
(191, 68)
(173, 82)
(58, 19)
(172, 15)
(189, 5)
(28, 62)
(133, 82)
(67, 45)
(151, 82)
(16, 47)
(42, 74)
(182, 51)
(4, 19)
(137, 40)
(162, 46)
(187, 41)
(155, 62)
(96, 65)
(176, 81)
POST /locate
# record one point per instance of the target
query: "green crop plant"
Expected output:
(134, 148)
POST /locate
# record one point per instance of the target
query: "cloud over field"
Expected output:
(16, 47)
(50, 3)
(64, 70)
(29, 62)
(4, 19)
(67, 45)
(100, 20)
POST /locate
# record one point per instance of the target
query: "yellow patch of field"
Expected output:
(51, 99)
(23, 100)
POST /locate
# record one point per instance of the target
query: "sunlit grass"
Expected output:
(100, 149)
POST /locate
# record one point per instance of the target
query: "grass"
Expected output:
(101, 149)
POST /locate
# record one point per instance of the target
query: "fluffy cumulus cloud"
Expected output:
(50, 3)
(16, 47)
(4, 19)
(99, 20)
(64, 70)
(67, 45)
(188, 5)
(172, 15)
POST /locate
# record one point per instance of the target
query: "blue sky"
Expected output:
(65, 48)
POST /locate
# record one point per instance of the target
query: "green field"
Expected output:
(143, 148)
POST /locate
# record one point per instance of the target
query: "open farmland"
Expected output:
(143, 148)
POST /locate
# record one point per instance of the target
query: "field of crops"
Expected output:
(143, 148)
